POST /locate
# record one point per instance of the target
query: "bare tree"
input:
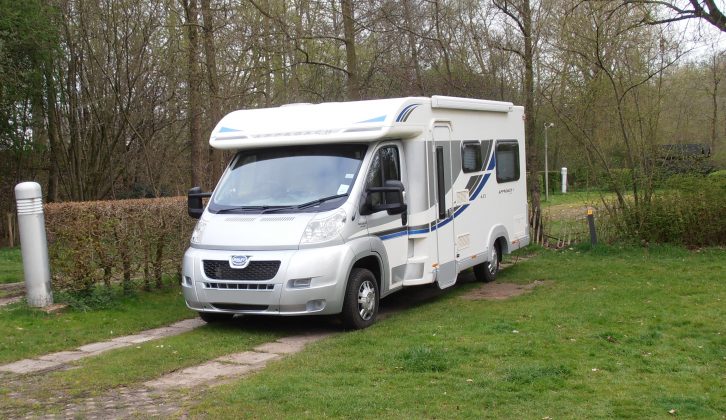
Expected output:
(677, 10)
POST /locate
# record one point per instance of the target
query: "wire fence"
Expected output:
(561, 230)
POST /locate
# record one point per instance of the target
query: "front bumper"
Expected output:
(308, 281)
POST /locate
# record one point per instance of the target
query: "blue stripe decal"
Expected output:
(401, 114)
(448, 219)
(376, 119)
(479, 188)
(228, 130)
(418, 231)
(492, 162)
(394, 235)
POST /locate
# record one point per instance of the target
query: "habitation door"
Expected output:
(446, 275)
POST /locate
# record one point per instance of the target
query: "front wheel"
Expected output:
(360, 305)
(487, 271)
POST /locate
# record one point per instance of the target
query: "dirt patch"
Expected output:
(501, 291)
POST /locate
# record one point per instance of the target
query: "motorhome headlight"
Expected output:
(198, 232)
(325, 228)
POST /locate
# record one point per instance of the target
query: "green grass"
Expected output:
(26, 332)
(617, 333)
(11, 265)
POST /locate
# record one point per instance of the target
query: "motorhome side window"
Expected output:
(507, 156)
(471, 160)
(385, 166)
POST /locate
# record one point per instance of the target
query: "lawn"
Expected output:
(11, 265)
(612, 333)
(26, 332)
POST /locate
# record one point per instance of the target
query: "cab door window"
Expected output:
(385, 166)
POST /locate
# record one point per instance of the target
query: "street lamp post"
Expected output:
(547, 169)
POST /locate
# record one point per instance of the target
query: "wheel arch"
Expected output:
(372, 263)
(499, 236)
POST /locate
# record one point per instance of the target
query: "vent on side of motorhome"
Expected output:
(463, 241)
(462, 197)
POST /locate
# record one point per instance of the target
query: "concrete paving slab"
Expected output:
(305, 338)
(29, 366)
(188, 324)
(248, 358)
(10, 300)
(103, 346)
(197, 375)
(135, 339)
(164, 332)
(280, 348)
(64, 356)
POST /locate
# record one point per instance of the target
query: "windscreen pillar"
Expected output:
(33, 244)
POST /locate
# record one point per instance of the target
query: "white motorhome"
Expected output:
(327, 208)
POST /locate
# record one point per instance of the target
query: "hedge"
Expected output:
(102, 242)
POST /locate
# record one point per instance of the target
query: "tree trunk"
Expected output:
(531, 120)
(350, 53)
(216, 163)
(194, 107)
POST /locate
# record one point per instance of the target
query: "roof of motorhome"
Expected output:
(334, 122)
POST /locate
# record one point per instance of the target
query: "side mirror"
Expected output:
(195, 206)
(391, 199)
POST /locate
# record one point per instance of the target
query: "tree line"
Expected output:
(116, 98)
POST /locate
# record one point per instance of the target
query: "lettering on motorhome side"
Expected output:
(327, 208)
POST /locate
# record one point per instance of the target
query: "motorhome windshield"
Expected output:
(300, 178)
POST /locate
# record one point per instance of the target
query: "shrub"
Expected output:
(99, 242)
(689, 210)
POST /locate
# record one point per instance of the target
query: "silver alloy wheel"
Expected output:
(366, 300)
(494, 263)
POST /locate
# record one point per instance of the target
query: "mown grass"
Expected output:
(11, 265)
(26, 332)
(617, 333)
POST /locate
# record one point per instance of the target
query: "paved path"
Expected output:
(161, 397)
(57, 360)
(11, 293)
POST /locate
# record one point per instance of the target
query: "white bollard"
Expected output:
(33, 244)
(564, 180)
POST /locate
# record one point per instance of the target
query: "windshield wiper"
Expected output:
(227, 210)
(319, 201)
(304, 205)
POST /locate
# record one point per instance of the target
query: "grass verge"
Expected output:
(617, 333)
(11, 265)
(26, 332)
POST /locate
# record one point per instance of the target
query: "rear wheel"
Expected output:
(487, 271)
(360, 305)
(214, 317)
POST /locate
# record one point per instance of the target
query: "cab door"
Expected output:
(390, 229)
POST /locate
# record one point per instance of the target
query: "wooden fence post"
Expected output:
(11, 230)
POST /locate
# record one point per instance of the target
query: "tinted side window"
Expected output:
(507, 155)
(471, 160)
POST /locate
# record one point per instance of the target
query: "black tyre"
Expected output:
(214, 317)
(487, 271)
(360, 304)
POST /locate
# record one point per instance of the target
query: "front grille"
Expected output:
(238, 286)
(256, 270)
(239, 307)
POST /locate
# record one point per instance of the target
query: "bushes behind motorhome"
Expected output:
(105, 242)
(688, 210)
